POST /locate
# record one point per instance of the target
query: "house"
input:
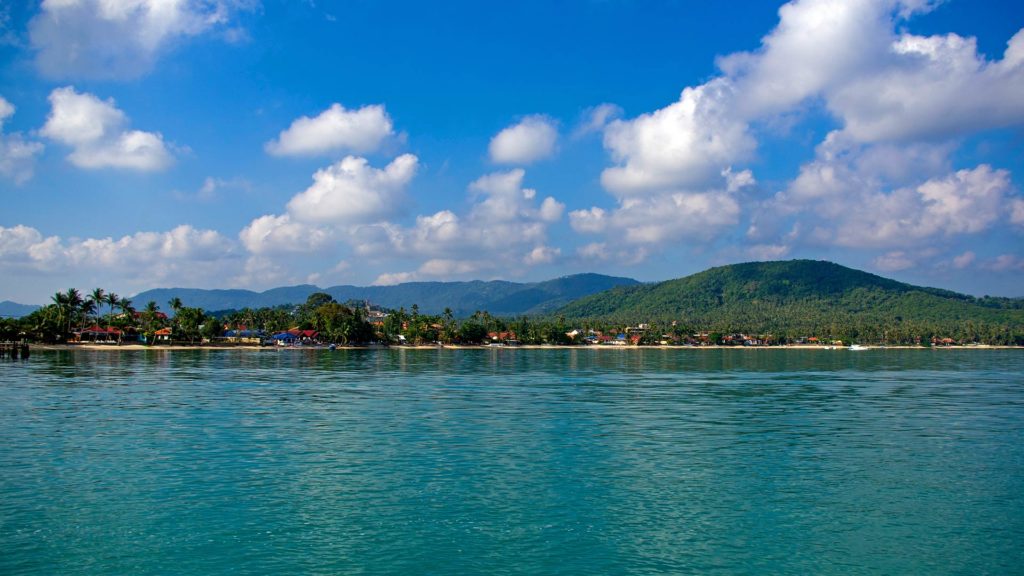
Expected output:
(508, 337)
(243, 336)
(95, 333)
(162, 335)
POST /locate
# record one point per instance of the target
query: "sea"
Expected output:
(512, 461)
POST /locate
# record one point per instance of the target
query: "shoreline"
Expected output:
(249, 347)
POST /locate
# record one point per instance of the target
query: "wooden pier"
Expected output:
(14, 350)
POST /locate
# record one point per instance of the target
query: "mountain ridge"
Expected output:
(499, 297)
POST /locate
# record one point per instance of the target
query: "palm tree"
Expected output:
(112, 300)
(88, 309)
(98, 297)
(175, 304)
(60, 303)
(149, 315)
(75, 301)
(125, 305)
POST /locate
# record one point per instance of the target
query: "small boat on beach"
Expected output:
(858, 347)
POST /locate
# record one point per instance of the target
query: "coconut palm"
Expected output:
(149, 315)
(98, 297)
(60, 304)
(125, 304)
(112, 300)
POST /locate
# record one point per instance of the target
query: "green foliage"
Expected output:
(472, 332)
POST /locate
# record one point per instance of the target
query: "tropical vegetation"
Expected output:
(761, 303)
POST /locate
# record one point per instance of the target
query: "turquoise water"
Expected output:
(513, 462)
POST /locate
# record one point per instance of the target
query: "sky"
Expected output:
(254, 144)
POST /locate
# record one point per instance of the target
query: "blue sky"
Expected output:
(239, 143)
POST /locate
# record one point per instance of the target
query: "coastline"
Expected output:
(248, 347)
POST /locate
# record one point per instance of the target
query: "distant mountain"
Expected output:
(10, 309)
(800, 295)
(497, 297)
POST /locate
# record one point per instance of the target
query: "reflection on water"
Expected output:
(513, 461)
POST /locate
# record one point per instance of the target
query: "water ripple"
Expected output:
(513, 462)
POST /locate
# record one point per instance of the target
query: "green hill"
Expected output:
(806, 297)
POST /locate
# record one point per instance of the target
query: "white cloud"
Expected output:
(768, 251)
(392, 278)
(25, 246)
(737, 180)
(596, 119)
(182, 255)
(363, 130)
(551, 210)
(590, 221)
(448, 267)
(594, 251)
(1017, 212)
(883, 177)
(696, 216)
(1004, 263)
(351, 191)
(96, 130)
(816, 44)
(280, 235)
(935, 87)
(894, 261)
(661, 217)
(964, 260)
(530, 140)
(856, 209)
(686, 144)
(504, 230)
(542, 255)
(121, 38)
(17, 155)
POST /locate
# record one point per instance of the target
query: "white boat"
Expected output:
(858, 347)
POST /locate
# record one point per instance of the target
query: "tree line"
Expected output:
(70, 312)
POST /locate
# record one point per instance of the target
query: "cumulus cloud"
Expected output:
(592, 220)
(846, 201)
(504, 231)
(17, 155)
(685, 144)
(182, 255)
(362, 130)
(541, 255)
(97, 131)
(121, 38)
(883, 177)
(737, 180)
(349, 202)
(272, 234)
(352, 191)
(530, 140)
(936, 87)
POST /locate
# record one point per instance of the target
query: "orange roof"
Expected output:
(163, 332)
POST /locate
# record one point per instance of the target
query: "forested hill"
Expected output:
(799, 296)
(463, 298)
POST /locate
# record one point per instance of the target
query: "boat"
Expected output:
(858, 347)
